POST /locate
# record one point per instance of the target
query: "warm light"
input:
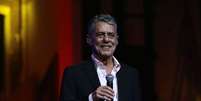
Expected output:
(5, 11)
(198, 98)
(27, 17)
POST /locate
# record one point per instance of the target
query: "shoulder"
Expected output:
(76, 68)
(128, 68)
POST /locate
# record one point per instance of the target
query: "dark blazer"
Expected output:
(82, 79)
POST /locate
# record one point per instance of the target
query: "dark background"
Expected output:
(1, 52)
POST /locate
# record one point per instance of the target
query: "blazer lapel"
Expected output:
(120, 81)
(92, 74)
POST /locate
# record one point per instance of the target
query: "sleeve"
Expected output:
(68, 89)
(90, 97)
(137, 87)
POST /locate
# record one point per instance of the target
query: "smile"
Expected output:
(106, 46)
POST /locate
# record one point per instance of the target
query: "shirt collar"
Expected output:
(100, 64)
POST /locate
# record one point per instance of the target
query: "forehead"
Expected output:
(104, 27)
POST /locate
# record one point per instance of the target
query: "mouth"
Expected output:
(106, 46)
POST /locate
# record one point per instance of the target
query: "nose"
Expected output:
(106, 38)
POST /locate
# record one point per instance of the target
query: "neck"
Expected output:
(107, 61)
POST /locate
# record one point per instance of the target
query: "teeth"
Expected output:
(106, 46)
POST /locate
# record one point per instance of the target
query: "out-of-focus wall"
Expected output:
(31, 46)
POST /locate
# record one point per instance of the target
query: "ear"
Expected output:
(117, 39)
(89, 40)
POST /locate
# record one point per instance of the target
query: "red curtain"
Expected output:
(65, 38)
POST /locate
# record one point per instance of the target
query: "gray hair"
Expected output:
(101, 18)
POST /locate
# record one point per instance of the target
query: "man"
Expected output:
(87, 81)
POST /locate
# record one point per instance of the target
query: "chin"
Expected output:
(104, 54)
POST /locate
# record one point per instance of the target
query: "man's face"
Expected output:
(104, 39)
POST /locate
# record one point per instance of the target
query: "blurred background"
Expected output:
(39, 38)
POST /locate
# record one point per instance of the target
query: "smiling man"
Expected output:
(103, 77)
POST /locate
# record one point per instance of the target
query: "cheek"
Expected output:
(116, 42)
(97, 42)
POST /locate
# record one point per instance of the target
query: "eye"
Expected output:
(100, 34)
(110, 34)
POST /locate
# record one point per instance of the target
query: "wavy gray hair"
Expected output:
(101, 18)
